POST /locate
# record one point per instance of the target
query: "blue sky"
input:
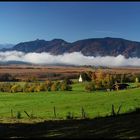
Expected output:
(71, 21)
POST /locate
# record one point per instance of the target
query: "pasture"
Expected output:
(41, 104)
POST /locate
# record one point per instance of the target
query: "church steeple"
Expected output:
(80, 78)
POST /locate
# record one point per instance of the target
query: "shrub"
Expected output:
(137, 85)
(53, 87)
(16, 88)
(65, 86)
(90, 87)
(48, 84)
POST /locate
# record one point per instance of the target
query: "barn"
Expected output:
(119, 86)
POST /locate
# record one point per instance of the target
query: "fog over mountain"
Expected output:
(96, 51)
(75, 58)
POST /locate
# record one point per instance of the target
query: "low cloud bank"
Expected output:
(75, 58)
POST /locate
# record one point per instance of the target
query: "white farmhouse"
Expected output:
(80, 78)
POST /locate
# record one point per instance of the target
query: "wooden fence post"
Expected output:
(12, 113)
(83, 113)
(54, 111)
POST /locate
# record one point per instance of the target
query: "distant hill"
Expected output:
(2, 63)
(6, 46)
(89, 47)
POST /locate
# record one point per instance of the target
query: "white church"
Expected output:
(80, 78)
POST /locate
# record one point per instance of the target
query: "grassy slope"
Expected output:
(95, 104)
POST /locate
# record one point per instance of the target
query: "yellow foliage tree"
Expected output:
(53, 87)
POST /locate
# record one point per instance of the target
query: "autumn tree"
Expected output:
(48, 84)
(54, 87)
(16, 88)
(101, 80)
(86, 76)
(64, 86)
(90, 86)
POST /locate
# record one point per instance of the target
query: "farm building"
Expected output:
(119, 86)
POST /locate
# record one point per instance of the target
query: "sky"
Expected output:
(71, 21)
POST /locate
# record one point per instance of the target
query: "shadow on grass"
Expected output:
(122, 126)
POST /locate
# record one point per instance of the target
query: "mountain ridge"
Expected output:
(107, 46)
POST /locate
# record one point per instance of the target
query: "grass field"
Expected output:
(42, 104)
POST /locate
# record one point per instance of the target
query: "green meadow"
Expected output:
(41, 104)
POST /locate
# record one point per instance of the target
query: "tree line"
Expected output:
(100, 80)
(48, 85)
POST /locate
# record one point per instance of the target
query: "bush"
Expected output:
(90, 87)
(65, 86)
(5, 87)
(16, 88)
(48, 84)
(53, 87)
(137, 85)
